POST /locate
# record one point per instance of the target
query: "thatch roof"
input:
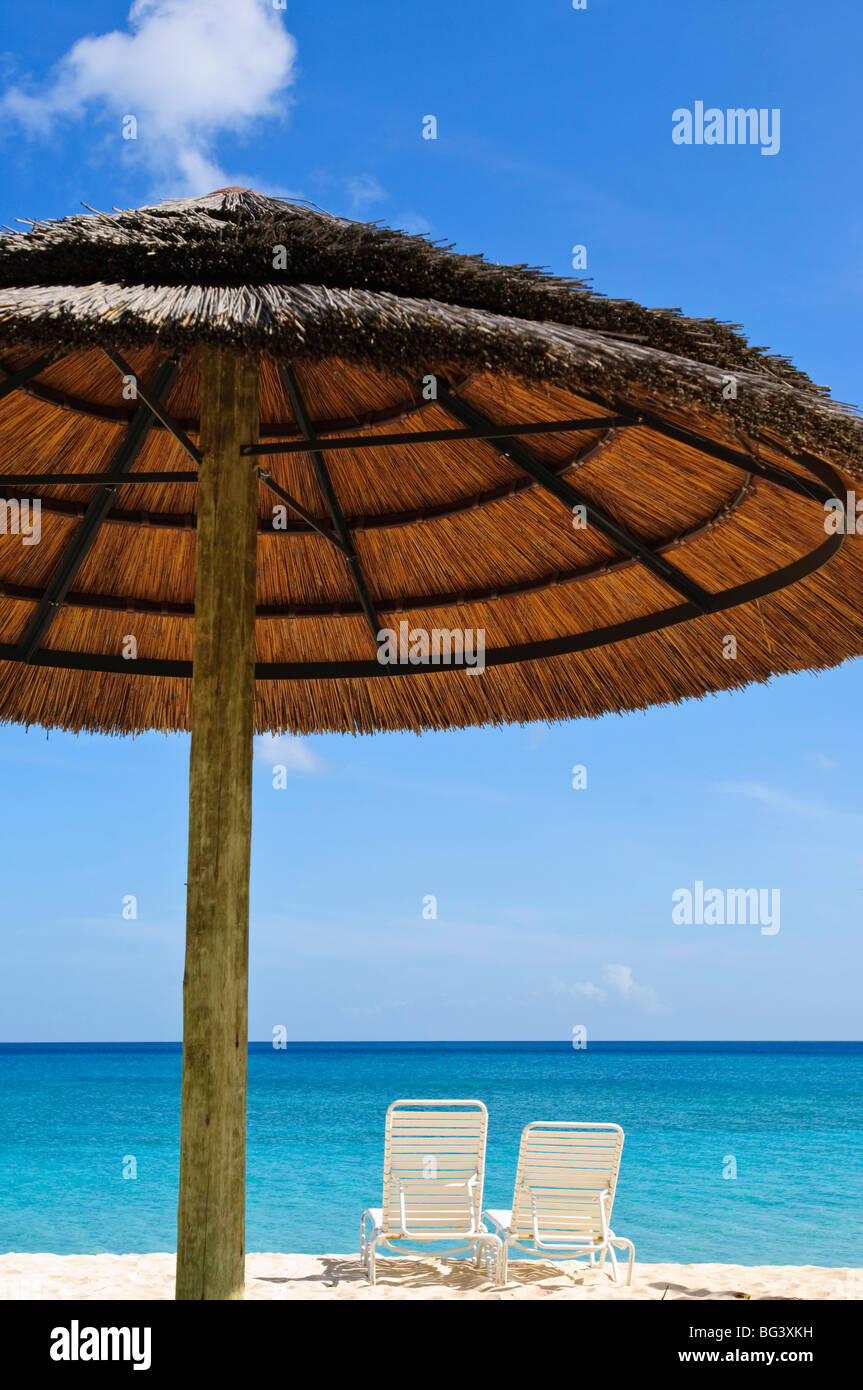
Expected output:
(226, 239)
(448, 535)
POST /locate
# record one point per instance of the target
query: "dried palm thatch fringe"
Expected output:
(307, 322)
(450, 536)
(228, 238)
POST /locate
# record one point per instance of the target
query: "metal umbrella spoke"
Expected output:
(85, 534)
(325, 483)
(571, 497)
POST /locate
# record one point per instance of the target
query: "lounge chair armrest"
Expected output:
(501, 1220)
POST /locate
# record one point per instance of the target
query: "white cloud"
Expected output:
(827, 819)
(621, 980)
(772, 796)
(288, 751)
(586, 989)
(413, 223)
(364, 190)
(620, 985)
(187, 70)
(821, 761)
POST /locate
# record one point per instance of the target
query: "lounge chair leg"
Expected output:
(615, 1273)
(491, 1250)
(630, 1260)
(370, 1270)
(477, 1262)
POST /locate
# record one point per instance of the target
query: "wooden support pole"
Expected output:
(211, 1209)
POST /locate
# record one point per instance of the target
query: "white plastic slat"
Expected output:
(446, 1117)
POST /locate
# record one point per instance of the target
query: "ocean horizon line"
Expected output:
(564, 1043)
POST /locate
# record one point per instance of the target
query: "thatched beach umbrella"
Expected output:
(297, 433)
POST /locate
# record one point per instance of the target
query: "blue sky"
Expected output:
(554, 904)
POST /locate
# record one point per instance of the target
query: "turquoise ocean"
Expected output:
(786, 1117)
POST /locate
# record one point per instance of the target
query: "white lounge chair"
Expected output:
(564, 1191)
(434, 1161)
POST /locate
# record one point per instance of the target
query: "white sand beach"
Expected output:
(101, 1277)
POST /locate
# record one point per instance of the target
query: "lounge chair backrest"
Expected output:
(434, 1163)
(563, 1167)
